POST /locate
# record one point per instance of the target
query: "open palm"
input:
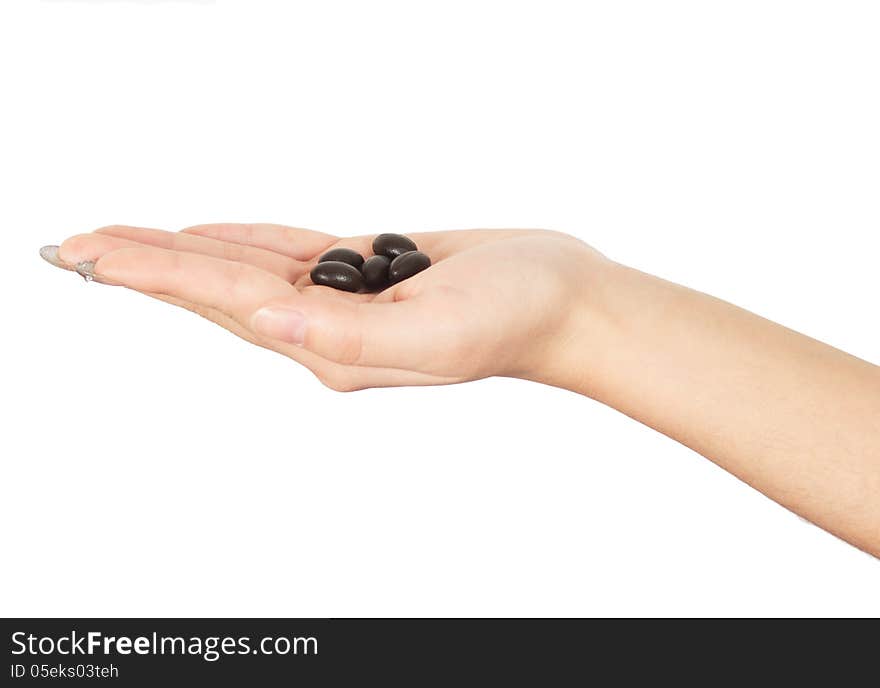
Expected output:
(493, 302)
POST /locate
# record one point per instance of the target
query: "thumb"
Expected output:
(400, 334)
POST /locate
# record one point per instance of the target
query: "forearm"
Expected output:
(795, 418)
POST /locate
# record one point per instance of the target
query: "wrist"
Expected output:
(579, 351)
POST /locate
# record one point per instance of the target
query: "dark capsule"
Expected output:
(336, 274)
(375, 272)
(407, 265)
(343, 255)
(393, 245)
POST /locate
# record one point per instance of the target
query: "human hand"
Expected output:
(494, 302)
(793, 417)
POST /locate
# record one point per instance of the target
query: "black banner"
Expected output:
(141, 652)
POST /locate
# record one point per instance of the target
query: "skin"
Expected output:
(795, 418)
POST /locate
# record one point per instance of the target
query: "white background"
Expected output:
(153, 464)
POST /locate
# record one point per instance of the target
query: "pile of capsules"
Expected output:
(397, 258)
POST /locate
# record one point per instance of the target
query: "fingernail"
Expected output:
(50, 255)
(280, 323)
(87, 269)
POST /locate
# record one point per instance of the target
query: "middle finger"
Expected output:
(285, 267)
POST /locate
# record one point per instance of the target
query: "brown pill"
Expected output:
(375, 272)
(406, 265)
(343, 255)
(393, 245)
(336, 274)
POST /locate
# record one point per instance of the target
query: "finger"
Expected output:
(52, 254)
(236, 289)
(90, 247)
(321, 368)
(305, 245)
(112, 269)
(403, 334)
(283, 266)
(285, 240)
(337, 377)
(300, 244)
(84, 247)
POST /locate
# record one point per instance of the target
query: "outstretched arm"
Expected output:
(795, 418)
